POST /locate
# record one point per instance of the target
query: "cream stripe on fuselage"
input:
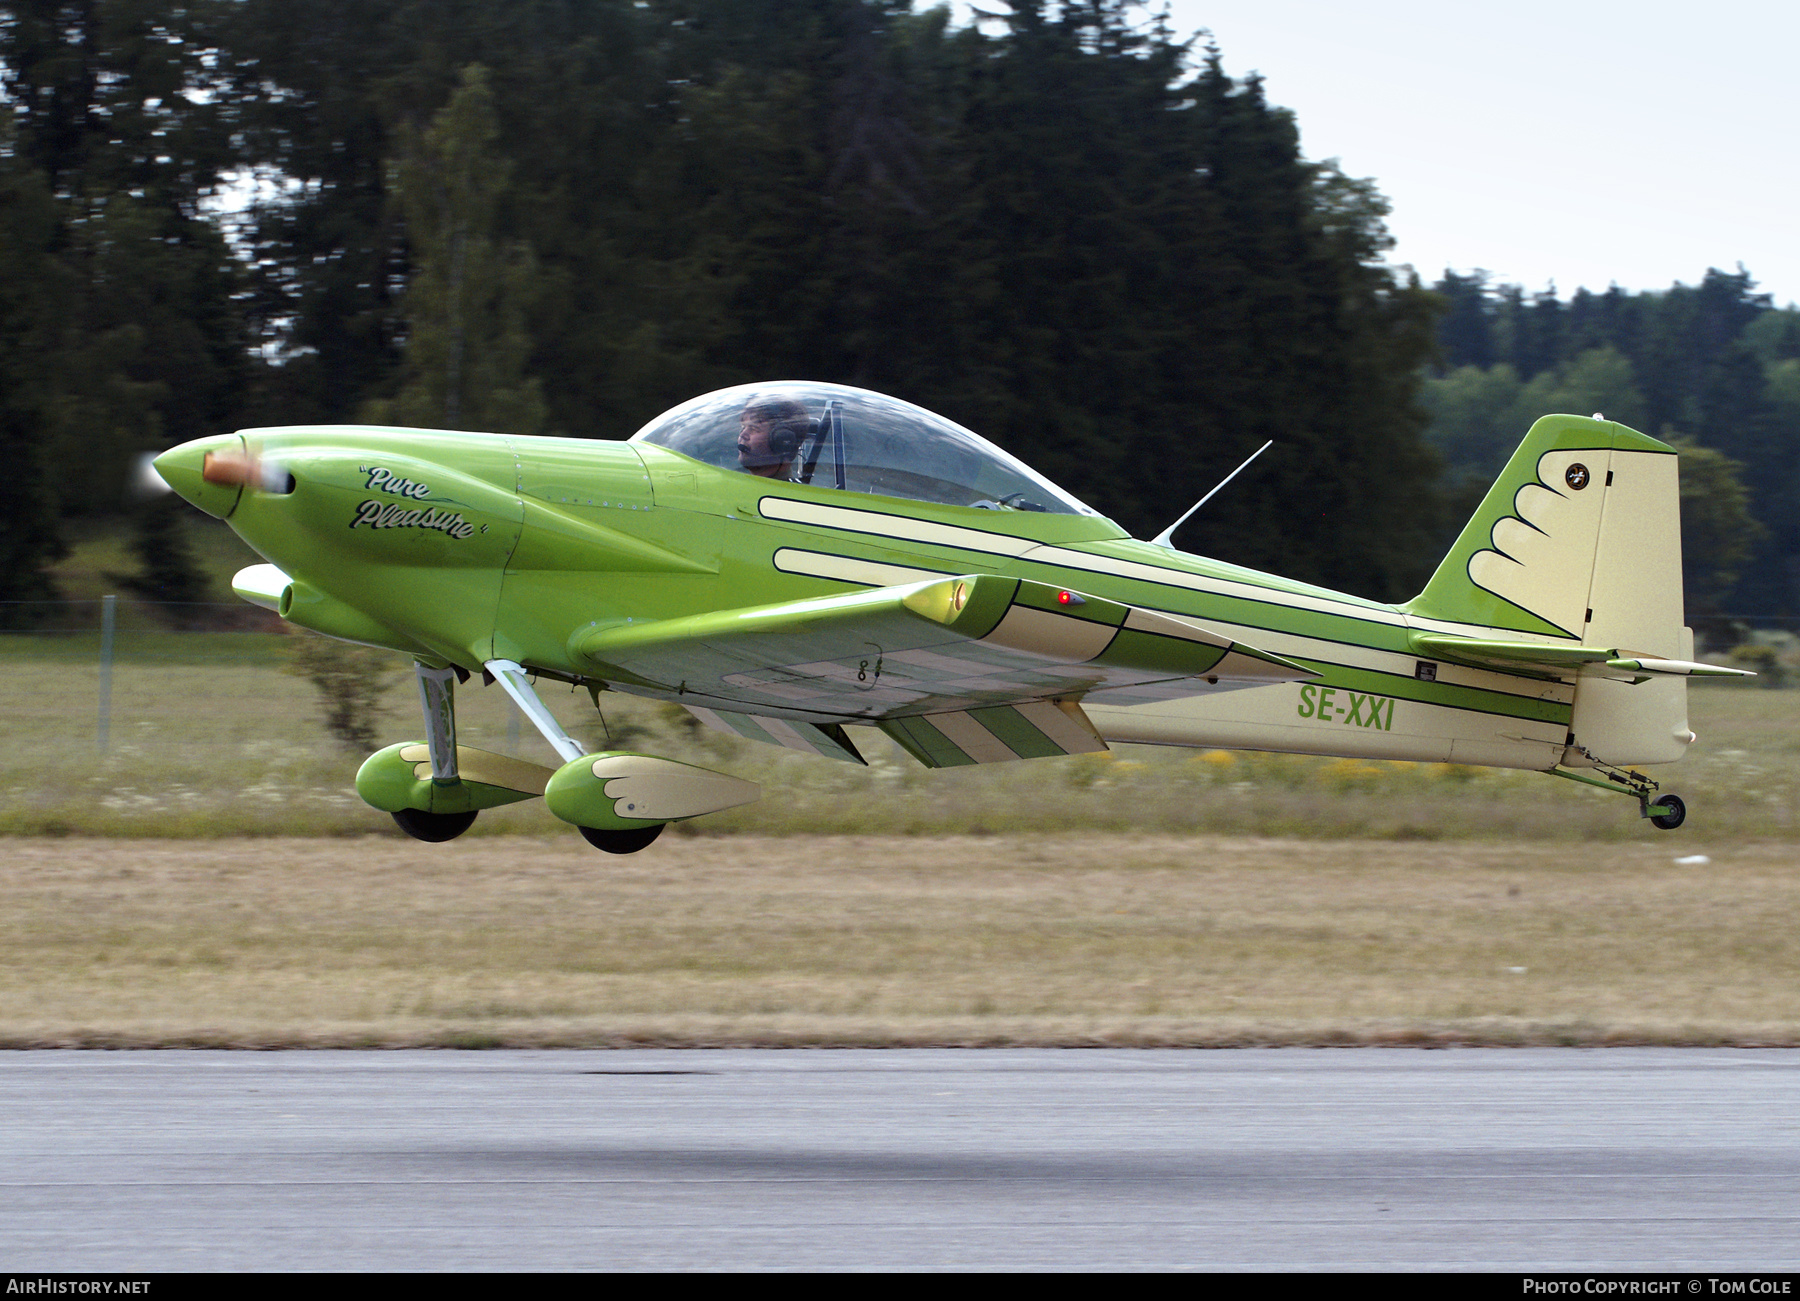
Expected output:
(902, 528)
(848, 569)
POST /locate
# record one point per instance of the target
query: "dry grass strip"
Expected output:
(1071, 940)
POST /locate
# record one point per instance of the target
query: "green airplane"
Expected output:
(789, 560)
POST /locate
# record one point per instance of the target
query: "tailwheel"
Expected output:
(1676, 815)
(433, 827)
(621, 842)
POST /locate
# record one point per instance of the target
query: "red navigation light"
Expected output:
(1063, 598)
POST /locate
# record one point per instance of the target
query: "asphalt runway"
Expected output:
(1337, 1159)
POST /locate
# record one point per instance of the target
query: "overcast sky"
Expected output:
(1582, 142)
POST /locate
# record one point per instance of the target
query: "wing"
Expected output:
(998, 662)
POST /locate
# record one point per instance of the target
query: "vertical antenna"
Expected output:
(1163, 539)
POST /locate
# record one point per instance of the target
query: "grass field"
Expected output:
(1075, 940)
(209, 737)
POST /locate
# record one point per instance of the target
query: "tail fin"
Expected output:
(1580, 538)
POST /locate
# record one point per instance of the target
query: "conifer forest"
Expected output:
(1067, 228)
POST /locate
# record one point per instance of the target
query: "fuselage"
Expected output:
(460, 548)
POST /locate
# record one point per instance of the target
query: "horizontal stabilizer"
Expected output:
(1675, 668)
(1561, 660)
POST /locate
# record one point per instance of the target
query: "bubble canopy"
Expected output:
(853, 440)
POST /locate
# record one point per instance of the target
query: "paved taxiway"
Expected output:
(1334, 1159)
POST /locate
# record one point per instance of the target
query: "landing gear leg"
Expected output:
(1666, 812)
(437, 697)
(512, 679)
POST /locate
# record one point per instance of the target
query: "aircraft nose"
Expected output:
(184, 469)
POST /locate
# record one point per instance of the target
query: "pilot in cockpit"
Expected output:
(771, 429)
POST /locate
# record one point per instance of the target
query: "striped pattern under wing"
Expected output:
(826, 739)
(1031, 731)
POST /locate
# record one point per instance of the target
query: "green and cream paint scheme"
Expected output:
(792, 561)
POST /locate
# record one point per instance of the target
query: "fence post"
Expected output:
(108, 606)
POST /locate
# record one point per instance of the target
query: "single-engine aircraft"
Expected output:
(792, 560)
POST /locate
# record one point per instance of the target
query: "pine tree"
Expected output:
(29, 537)
(1466, 333)
(466, 343)
(109, 104)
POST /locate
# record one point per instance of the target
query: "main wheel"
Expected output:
(433, 827)
(621, 842)
(1676, 815)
